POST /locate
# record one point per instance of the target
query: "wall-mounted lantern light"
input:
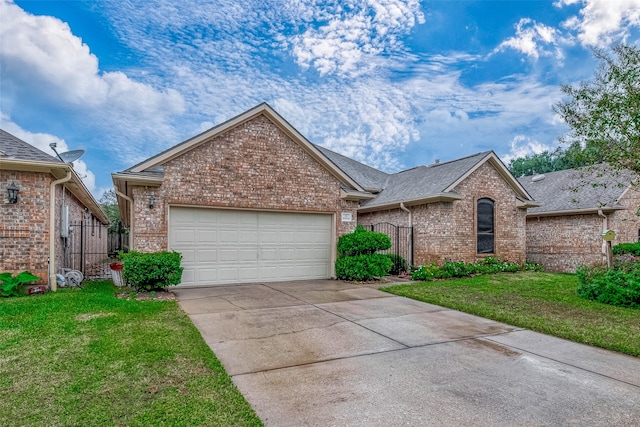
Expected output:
(152, 201)
(12, 191)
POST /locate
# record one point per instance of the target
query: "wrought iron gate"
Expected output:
(401, 239)
(91, 246)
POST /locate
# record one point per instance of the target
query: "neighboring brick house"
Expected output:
(462, 210)
(44, 182)
(577, 207)
(253, 200)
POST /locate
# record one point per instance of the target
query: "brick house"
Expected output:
(464, 209)
(253, 200)
(45, 184)
(566, 230)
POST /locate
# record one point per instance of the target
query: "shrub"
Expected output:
(627, 248)
(399, 264)
(489, 265)
(9, 284)
(362, 242)
(358, 259)
(428, 272)
(147, 271)
(363, 267)
(458, 268)
(610, 286)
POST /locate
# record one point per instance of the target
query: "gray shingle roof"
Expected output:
(15, 148)
(425, 181)
(367, 177)
(573, 189)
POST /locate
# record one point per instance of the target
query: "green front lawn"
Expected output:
(86, 358)
(543, 302)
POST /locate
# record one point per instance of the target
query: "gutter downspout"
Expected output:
(606, 245)
(130, 200)
(404, 208)
(52, 231)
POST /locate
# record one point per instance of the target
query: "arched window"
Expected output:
(485, 226)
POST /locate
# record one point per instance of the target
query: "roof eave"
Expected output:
(59, 170)
(356, 196)
(526, 204)
(439, 197)
(584, 211)
(137, 179)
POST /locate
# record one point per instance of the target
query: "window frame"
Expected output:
(492, 233)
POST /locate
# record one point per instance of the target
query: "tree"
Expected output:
(571, 158)
(604, 114)
(109, 204)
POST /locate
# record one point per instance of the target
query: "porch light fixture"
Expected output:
(12, 191)
(152, 201)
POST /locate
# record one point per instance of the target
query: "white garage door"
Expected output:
(226, 246)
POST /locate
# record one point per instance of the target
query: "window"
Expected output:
(485, 233)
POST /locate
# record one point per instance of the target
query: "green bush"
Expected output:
(627, 248)
(147, 271)
(9, 284)
(489, 265)
(428, 272)
(399, 264)
(357, 257)
(362, 242)
(620, 287)
(363, 267)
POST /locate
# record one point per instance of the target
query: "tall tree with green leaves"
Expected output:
(109, 204)
(604, 114)
(571, 158)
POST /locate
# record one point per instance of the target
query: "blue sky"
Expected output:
(391, 83)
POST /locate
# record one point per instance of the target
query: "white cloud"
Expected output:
(352, 34)
(522, 146)
(601, 22)
(41, 57)
(533, 39)
(41, 141)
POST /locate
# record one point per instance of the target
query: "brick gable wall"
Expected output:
(626, 223)
(252, 166)
(448, 229)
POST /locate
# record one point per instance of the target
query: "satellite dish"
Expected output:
(71, 156)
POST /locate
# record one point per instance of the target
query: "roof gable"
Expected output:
(438, 181)
(152, 164)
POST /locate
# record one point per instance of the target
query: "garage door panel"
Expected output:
(248, 255)
(228, 237)
(204, 275)
(207, 255)
(229, 255)
(206, 236)
(226, 246)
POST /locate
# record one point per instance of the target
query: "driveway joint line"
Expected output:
(565, 363)
(406, 347)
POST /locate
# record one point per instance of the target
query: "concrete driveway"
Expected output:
(329, 353)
